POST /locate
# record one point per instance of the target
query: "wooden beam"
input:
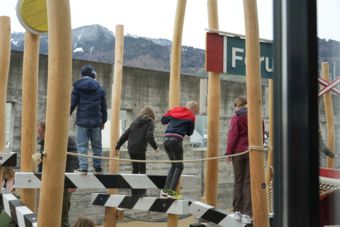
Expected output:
(329, 113)
(255, 132)
(29, 111)
(57, 112)
(175, 75)
(111, 213)
(5, 53)
(211, 179)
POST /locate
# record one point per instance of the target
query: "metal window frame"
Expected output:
(296, 157)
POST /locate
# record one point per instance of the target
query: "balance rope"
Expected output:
(37, 157)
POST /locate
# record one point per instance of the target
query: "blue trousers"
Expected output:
(84, 135)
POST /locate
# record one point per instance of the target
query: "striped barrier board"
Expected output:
(8, 159)
(162, 205)
(96, 181)
(211, 214)
(217, 217)
(18, 212)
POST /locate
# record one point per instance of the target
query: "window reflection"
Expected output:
(329, 111)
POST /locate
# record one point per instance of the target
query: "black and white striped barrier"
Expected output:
(8, 159)
(96, 181)
(213, 215)
(217, 217)
(162, 205)
(18, 212)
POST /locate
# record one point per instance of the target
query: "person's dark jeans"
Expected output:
(66, 208)
(242, 193)
(138, 168)
(174, 149)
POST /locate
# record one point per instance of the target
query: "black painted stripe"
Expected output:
(161, 205)
(10, 161)
(159, 181)
(101, 199)
(214, 216)
(128, 202)
(38, 175)
(113, 181)
(68, 183)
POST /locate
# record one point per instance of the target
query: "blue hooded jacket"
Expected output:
(89, 98)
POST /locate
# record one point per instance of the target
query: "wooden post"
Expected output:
(29, 111)
(211, 179)
(270, 143)
(57, 112)
(255, 133)
(328, 104)
(175, 74)
(5, 53)
(111, 213)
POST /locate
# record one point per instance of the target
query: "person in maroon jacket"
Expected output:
(180, 122)
(237, 142)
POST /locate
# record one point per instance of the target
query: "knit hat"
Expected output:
(88, 70)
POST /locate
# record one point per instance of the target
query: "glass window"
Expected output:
(329, 78)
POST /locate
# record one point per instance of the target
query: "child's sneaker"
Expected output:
(98, 170)
(246, 219)
(236, 215)
(164, 193)
(81, 171)
(174, 195)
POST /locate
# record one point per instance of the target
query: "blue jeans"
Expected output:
(83, 137)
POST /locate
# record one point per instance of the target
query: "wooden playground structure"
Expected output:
(51, 182)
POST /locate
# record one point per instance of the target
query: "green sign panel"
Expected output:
(234, 57)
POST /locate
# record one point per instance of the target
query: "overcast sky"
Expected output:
(155, 18)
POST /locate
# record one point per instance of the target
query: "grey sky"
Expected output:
(155, 18)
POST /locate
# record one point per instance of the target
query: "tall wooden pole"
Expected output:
(175, 74)
(110, 213)
(255, 133)
(328, 104)
(29, 111)
(57, 112)
(270, 143)
(5, 53)
(213, 118)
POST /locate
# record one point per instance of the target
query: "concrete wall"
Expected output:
(140, 88)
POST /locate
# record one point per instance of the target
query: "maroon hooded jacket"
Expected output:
(237, 140)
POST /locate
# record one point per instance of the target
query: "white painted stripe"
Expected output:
(85, 181)
(21, 211)
(144, 203)
(198, 208)
(139, 181)
(180, 207)
(27, 180)
(114, 200)
(6, 199)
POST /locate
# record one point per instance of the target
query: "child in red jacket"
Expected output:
(180, 122)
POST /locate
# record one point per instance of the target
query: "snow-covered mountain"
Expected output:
(96, 43)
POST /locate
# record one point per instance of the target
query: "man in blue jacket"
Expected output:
(89, 98)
